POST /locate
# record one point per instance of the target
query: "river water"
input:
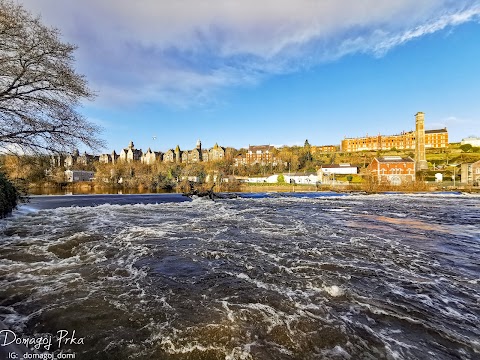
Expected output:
(261, 276)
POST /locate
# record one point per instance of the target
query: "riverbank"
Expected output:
(86, 188)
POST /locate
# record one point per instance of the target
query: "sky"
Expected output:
(278, 72)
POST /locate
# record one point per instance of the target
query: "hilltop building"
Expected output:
(259, 154)
(404, 141)
(109, 158)
(130, 153)
(75, 158)
(323, 149)
(471, 140)
(151, 157)
(176, 155)
(57, 160)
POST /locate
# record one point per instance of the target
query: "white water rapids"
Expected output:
(390, 276)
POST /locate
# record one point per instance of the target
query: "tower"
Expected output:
(178, 154)
(199, 149)
(420, 158)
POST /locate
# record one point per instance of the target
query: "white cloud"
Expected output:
(179, 51)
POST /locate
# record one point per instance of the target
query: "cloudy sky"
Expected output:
(272, 71)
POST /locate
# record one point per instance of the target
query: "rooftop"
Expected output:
(394, 159)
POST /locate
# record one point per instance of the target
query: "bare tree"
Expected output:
(40, 91)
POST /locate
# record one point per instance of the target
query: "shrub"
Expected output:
(9, 196)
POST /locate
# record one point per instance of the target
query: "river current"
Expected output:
(261, 276)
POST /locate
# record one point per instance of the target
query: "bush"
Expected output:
(9, 196)
(466, 147)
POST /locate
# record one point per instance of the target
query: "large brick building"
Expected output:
(393, 170)
(259, 154)
(404, 141)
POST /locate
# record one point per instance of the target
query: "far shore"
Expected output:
(92, 188)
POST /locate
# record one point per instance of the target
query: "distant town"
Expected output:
(385, 159)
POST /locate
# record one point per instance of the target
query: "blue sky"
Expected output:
(272, 72)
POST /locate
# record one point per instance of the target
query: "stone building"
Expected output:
(71, 159)
(109, 158)
(130, 153)
(393, 170)
(216, 153)
(173, 155)
(77, 159)
(150, 157)
(57, 160)
(197, 155)
(404, 141)
(170, 156)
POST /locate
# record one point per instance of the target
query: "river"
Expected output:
(260, 276)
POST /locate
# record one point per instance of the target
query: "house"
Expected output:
(272, 179)
(259, 154)
(169, 156)
(470, 173)
(105, 158)
(109, 158)
(301, 178)
(130, 153)
(240, 160)
(338, 169)
(193, 156)
(71, 159)
(395, 170)
(326, 173)
(76, 158)
(216, 153)
(57, 160)
(150, 157)
(78, 175)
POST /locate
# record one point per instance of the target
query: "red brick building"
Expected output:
(393, 170)
(259, 154)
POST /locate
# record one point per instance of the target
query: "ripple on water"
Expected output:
(258, 277)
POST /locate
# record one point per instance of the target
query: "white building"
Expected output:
(474, 141)
(338, 169)
(78, 175)
(301, 178)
